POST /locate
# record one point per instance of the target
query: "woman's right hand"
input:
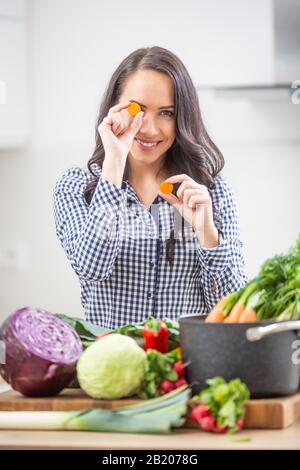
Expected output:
(118, 130)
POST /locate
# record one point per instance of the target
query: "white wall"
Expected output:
(75, 46)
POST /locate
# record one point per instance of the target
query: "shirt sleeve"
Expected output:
(223, 267)
(89, 233)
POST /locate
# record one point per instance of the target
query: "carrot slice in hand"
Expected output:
(133, 108)
(166, 187)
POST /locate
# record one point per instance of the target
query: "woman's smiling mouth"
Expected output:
(144, 145)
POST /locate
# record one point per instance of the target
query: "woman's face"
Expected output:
(154, 93)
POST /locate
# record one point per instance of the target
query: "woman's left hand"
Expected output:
(194, 204)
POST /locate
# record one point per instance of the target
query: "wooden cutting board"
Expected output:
(265, 413)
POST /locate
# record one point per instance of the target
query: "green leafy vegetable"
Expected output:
(279, 286)
(88, 332)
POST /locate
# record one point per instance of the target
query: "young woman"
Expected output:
(136, 250)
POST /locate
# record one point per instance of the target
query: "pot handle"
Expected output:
(259, 332)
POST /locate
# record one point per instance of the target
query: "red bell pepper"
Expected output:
(156, 335)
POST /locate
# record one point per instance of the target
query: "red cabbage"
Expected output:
(41, 352)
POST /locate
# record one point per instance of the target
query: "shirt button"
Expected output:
(149, 295)
(152, 264)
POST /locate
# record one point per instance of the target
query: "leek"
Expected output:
(158, 415)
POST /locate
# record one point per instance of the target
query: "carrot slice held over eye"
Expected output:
(133, 108)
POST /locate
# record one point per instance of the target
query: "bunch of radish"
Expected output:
(167, 385)
(203, 416)
(220, 407)
(164, 373)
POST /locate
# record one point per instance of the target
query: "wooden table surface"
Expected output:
(288, 438)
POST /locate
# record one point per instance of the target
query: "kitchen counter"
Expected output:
(288, 438)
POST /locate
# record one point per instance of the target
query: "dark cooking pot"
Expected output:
(268, 363)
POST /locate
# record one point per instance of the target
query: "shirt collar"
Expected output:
(131, 194)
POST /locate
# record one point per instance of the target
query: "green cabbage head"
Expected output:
(113, 367)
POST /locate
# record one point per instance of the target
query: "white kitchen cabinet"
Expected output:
(14, 82)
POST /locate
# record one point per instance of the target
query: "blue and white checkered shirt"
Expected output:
(117, 248)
